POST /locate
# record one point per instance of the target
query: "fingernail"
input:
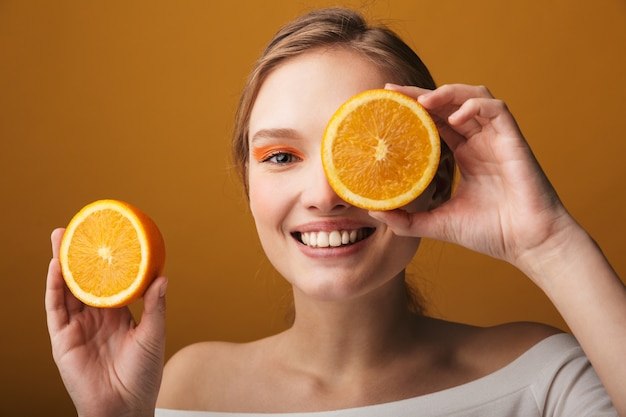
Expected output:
(424, 96)
(391, 86)
(376, 215)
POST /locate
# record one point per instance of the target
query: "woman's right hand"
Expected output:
(504, 205)
(110, 365)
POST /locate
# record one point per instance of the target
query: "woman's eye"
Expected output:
(281, 158)
(278, 155)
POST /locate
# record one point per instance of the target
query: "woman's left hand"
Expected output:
(504, 206)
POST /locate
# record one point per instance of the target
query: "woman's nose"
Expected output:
(317, 192)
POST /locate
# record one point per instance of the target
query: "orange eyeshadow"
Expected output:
(264, 152)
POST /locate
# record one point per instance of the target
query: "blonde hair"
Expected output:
(337, 27)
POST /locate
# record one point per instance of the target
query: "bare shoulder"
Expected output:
(202, 371)
(217, 375)
(487, 349)
(478, 351)
(523, 333)
(182, 371)
(511, 340)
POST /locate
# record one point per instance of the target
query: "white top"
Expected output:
(553, 378)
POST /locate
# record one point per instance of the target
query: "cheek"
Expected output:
(263, 209)
(271, 205)
(270, 199)
(260, 196)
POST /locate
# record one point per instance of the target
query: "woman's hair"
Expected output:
(344, 28)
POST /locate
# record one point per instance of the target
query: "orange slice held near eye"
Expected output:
(110, 253)
(380, 150)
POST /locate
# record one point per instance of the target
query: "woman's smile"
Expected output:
(333, 238)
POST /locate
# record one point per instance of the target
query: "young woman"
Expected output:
(356, 346)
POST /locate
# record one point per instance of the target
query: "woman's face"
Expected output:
(290, 198)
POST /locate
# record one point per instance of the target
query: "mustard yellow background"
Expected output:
(135, 100)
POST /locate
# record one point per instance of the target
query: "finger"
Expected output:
(57, 235)
(483, 110)
(410, 91)
(59, 300)
(452, 95)
(151, 330)
(400, 221)
(476, 113)
(445, 102)
(60, 303)
(449, 135)
(427, 224)
(56, 312)
(465, 120)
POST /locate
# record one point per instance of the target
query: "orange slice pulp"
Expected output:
(110, 253)
(380, 150)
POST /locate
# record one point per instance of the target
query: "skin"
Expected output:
(368, 348)
(353, 341)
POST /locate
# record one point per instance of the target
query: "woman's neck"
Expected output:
(353, 334)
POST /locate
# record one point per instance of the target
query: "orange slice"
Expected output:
(380, 150)
(110, 253)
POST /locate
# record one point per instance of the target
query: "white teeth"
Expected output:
(322, 240)
(335, 238)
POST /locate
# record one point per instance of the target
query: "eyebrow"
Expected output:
(275, 133)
